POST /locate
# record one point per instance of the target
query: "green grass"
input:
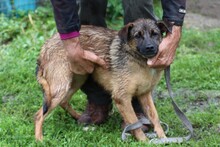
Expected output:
(196, 67)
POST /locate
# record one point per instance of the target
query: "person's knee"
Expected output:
(134, 9)
(96, 93)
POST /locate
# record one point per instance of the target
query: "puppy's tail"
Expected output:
(46, 89)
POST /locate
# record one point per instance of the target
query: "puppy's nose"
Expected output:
(150, 47)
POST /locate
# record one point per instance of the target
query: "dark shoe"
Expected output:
(95, 114)
(145, 128)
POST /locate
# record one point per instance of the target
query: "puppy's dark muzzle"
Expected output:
(149, 51)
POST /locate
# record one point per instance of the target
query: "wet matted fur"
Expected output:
(128, 75)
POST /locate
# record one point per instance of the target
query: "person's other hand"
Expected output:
(84, 61)
(167, 49)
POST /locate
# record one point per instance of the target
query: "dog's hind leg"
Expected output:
(77, 82)
(41, 114)
(39, 118)
(125, 108)
(59, 82)
(66, 106)
(150, 111)
(62, 87)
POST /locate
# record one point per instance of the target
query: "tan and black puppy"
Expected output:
(126, 52)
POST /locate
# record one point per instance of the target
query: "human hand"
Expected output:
(167, 49)
(84, 61)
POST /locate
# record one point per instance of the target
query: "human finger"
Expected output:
(94, 58)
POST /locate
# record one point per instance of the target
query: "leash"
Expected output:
(138, 124)
(178, 112)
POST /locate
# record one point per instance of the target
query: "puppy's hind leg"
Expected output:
(59, 87)
(39, 116)
(66, 106)
(44, 111)
(149, 109)
(77, 82)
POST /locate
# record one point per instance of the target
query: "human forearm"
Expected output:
(66, 16)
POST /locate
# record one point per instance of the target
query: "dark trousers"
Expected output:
(92, 12)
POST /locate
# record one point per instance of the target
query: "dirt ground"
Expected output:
(203, 14)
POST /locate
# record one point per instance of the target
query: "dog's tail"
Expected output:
(45, 87)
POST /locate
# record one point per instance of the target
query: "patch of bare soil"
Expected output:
(202, 14)
(201, 99)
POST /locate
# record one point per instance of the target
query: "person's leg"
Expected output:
(99, 103)
(92, 12)
(134, 9)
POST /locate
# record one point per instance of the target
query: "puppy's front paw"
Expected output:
(161, 135)
(139, 135)
(160, 132)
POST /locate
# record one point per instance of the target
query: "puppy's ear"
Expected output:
(164, 26)
(124, 33)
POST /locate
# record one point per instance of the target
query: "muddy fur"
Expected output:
(126, 51)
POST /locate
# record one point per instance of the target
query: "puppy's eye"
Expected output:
(138, 34)
(153, 33)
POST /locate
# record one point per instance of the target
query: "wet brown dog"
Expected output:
(125, 51)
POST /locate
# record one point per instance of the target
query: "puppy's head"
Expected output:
(143, 36)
